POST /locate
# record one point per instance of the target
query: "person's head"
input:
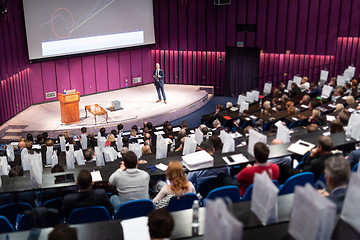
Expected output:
(22, 145)
(184, 124)
(343, 116)
(146, 149)
(284, 97)
(305, 99)
(333, 80)
(45, 135)
(277, 92)
(102, 131)
(313, 86)
(130, 160)
(125, 141)
(293, 85)
(354, 84)
(229, 104)
(216, 123)
(120, 127)
(205, 131)
(315, 113)
(157, 65)
(311, 128)
(176, 175)
(149, 126)
(161, 224)
(220, 108)
(339, 92)
(66, 134)
(84, 180)
(261, 152)
(325, 144)
(63, 231)
(133, 133)
(208, 147)
(350, 100)
(110, 138)
(304, 80)
(89, 154)
(165, 124)
(16, 171)
(339, 107)
(266, 105)
(135, 127)
(83, 130)
(276, 141)
(57, 168)
(289, 104)
(337, 171)
(49, 143)
(29, 137)
(336, 126)
(114, 132)
(292, 110)
(169, 129)
(216, 141)
(39, 138)
(28, 145)
(282, 85)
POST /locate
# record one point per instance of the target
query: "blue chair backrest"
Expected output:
(133, 209)
(355, 167)
(207, 185)
(88, 215)
(22, 223)
(55, 203)
(299, 179)
(231, 192)
(11, 210)
(5, 225)
(184, 202)
(321, 182)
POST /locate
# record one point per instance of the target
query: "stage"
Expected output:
(138, 103)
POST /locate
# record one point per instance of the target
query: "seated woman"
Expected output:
(292, 110)
(179, 185)
(316, 117)
(111, 139)
(339, 107)
(336, 126)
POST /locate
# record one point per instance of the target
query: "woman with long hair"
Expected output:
(178, 186)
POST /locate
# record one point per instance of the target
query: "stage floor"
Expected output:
(138, 103)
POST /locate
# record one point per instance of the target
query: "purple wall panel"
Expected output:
(171, 67)
(37, 91)
(281, 26)
(76, 74)
(251, 19)
(302, 26)
(176, 66)
(147, 65)
(113, 70)
(208, 68)
(231, 25)
(218, 73)
(190, 67)
(3, 71)
(241, 19)
(136, 65)
(173, 25)
(88, 70)
(181, 68)
(182, 25)
(198, 68)
(355, 19)
(222, 79)
(156, 24)
(166, 66)
(204, 79)
(201, 25)
(333, 25)
(322, 27)
(62, 75)
(271, 25)
(125, 72)
(312, 26)
(221, 29)
(164, 24)
(185, 68)
(192, 25)
(291, 25)
(8, 47)
(49, 78)
(344, 18)
(211, 26)
(101, 77)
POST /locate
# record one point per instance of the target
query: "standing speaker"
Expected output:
(222, 2)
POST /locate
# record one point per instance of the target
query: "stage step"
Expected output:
(13, 133)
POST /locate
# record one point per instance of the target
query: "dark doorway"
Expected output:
(242, 70)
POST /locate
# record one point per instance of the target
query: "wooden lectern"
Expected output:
(69, 107)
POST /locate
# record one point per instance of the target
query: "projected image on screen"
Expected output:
(64, 27)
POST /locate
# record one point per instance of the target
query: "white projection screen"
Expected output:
(64, 27)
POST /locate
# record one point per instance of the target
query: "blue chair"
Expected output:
(231, 192)
(207, 185)
(267, 126)
(5, 225)
(89, 215)
(22, 223)
(133, 209)
(299, 179)
(355, 167)
(184, 202)
(321, 182)
(55, 203)
(11, 210)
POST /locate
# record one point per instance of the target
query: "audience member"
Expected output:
(29, 137)
(87, 196)
(315, 90)
(304, 84)
(16, 171)
(161, 224)
(130, 182)
(336, 126)
(281, 160)
(311, 128)
(57, 168)
(339, 107)
(63, 232)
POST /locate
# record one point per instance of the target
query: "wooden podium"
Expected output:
(69, 107)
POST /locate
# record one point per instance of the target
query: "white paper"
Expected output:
(326, 133)
(197, 160)
(228, 143)
(79, 157)
(264, 199)
(101, 142)
(289, 85)
(267, 88)
(312, 216)
(256, 95)
(49, 154)
(161, 147)
(25, 159)
(254, 138)
(135, 147)
(96, 176)
(70, 159)
(159, 133)
(326, 91)
(10, 152)
(250, 97)
(297, 80)
(136, 228)
(235, 135)
(119, 142)
(176, 129)
(189, 145)
(341, 81)
(244, 106)
(62, 143)
(199, 136)
(237, 159)
(161, 166)
(83, 141)
(304, 106)
(330, 118)
(4, 166)
(241, 99)
(324, 75)
(35, 164)
(283, 133)
(99, 157)
(300, 147)
(159, 128)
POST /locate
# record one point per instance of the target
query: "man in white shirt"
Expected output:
(304, 84)
(131, 182)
